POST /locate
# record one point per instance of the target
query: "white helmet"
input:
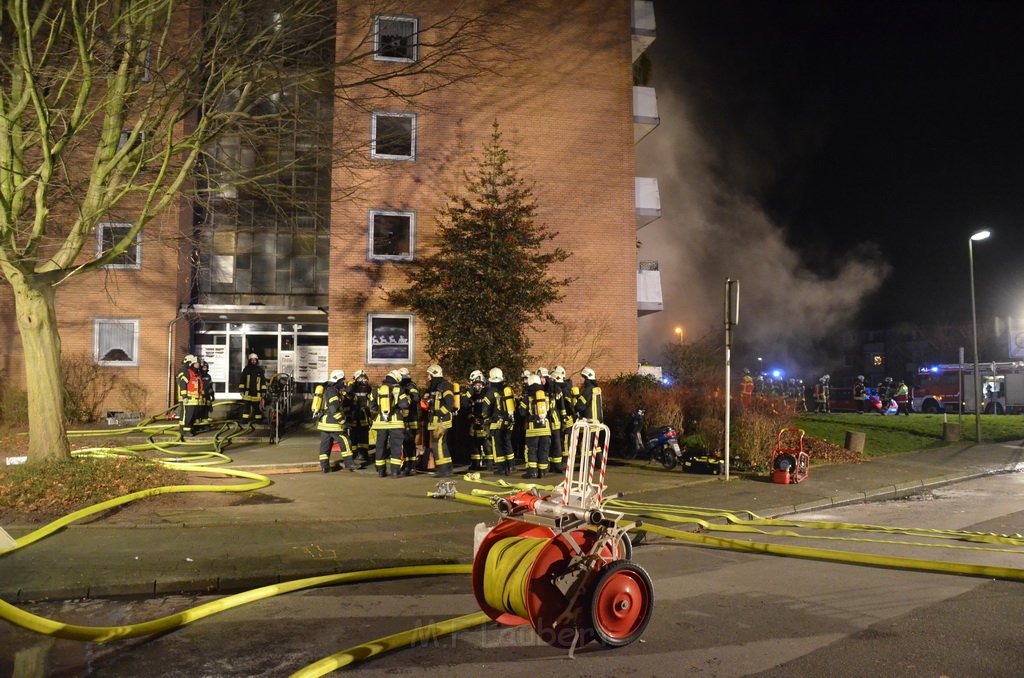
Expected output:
(542, 371)
(527, 374)
(253, 356)
(404, 371)
(495, 375)
(359, 373)
(558, 373)
(435, 371)
(533, 380)
(476, 375)
(588, 373)
(396, 375)
(336, 376)
(189, 359)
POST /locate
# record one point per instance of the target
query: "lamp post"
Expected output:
(679, 334)
(980, 235)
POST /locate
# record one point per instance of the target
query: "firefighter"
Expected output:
(821, 395)
(565, 406)
(357, 412)
(860, 393)
(479, 410)
(590, 405)
(902, 398)
(554, 393)
(206, 411)
(331, 422)
(190, 394)
(885, 393)
(390, 407)
(253, 387)
(746, 388)
(533, 410)
(412, 422)
(501, 421)
(440, 398)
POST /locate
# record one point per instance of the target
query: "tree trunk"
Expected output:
(34, 301)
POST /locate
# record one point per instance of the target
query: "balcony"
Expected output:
(648, 289)
(645, 112)
(643, 26)
(648, 201)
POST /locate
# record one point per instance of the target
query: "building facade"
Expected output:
(298, 273)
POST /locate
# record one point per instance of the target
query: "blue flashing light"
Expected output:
(666, 380)
(777, 374)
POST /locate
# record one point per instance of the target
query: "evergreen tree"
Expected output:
(487, 283)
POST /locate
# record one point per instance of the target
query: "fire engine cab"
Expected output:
(938, 388)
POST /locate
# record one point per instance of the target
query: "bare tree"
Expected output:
(108, 108)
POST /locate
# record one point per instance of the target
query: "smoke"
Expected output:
(711, 229)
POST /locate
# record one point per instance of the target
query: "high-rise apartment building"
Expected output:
(298, 271)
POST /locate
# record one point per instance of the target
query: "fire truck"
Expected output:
(938, 388)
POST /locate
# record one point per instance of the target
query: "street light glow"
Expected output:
(981, 235)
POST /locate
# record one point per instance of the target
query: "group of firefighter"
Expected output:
(765, 387)
(379, 424)
(196, 393)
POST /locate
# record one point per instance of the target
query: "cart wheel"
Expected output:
(668, 459)
(626, 547)
(622, 603)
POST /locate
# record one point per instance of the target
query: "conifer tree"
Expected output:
(488, 283)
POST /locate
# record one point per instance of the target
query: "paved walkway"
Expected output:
(310, 523)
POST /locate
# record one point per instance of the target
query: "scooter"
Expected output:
(661, 445)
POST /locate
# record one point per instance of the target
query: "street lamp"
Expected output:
(980, 235)
(679, 334)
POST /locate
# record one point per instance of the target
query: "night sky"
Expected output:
(835, 157)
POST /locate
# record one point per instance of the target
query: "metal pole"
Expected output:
(974, 326)
(728, 377)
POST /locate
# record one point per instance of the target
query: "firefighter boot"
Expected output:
(325, 466)
(531, 473)
(382, 471)
(443, 470)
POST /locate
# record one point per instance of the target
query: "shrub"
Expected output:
(86, 384)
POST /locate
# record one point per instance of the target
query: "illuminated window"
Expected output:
(389, 338)
(877, 360)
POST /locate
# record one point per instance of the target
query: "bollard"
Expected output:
(854, 441)
(951, 432)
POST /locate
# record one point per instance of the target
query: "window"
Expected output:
(391, 235)
(108, 235)
(394, 38)
(115, 342)
(393, 136)
(389, 338)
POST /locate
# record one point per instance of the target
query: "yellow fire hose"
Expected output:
(505, 574)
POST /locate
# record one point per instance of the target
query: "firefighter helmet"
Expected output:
(542, 372)
(404, 371)
(558, 373)
(360, 374)
(860, 377)
(396, 375)
(336, 376)
(495, 375)
(533, 380)
(435, 371)
(588, 373)
(189, 359)
(253, 356)
(527, 374)
(888, 380)
(476, 375)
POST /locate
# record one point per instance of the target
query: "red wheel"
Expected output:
(622, 603)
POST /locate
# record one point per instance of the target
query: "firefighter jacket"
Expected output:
(566, 404)
(390, 405)
(410, 388)
(332, 416)
(747, 385)
(440, 403)
(533, 410)
(860, 391)
(589, 403)
(357, 403)
(503, 405)
(208, 390)
(253, 383)
(902, 393)
(478, 403)
(190, 386)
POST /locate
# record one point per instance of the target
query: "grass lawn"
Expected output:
(898, 434)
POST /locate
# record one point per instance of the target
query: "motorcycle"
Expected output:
(660, 445)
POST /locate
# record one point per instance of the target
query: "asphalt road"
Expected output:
(718, 613)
